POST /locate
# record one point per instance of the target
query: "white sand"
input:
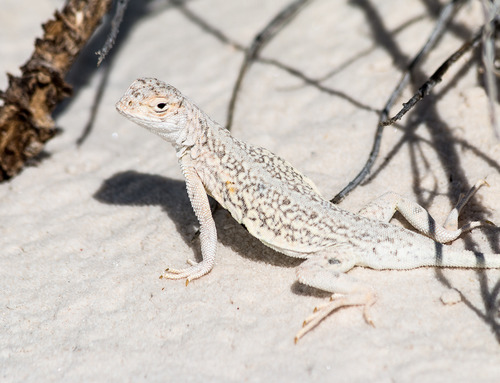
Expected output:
(86, 233)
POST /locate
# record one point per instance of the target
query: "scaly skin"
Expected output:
(283, 208)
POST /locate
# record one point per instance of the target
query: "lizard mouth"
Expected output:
(120, 107)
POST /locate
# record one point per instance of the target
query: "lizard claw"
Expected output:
(196, 270)
(336, 301)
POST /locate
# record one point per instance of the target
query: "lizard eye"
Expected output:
(160, 107)
(159, 104)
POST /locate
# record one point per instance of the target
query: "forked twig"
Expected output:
(436, 78)
(444, 17)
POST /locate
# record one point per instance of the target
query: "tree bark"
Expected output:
(25, 117)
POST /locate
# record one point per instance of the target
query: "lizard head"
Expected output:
(156, 106)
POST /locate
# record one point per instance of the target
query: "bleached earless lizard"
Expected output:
(283, 208)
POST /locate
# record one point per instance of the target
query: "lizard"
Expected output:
(283, 208)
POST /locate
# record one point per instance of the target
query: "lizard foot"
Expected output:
(451, 222)
(336, 301)
(196, 270)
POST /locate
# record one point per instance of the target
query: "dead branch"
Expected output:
(25, 118)
(436, 78)
(446, 14)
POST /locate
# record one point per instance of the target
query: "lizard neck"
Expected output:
(197, 130)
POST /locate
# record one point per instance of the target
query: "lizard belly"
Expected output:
(286, 222)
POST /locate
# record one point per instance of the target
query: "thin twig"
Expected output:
(491, 13)
(258, 43)
(444, 17)
(115, 27)
(436, 78)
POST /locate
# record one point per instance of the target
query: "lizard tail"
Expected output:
(466, 259)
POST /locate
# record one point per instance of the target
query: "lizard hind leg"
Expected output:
(384, 207)
(326, 271)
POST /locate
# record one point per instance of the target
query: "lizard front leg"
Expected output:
(208, 232)
(384, 207)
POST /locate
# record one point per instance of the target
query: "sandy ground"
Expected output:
(85, 234)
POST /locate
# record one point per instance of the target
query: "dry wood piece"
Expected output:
(25, 118)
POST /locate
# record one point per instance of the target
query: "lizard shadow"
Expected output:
(132, 188)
